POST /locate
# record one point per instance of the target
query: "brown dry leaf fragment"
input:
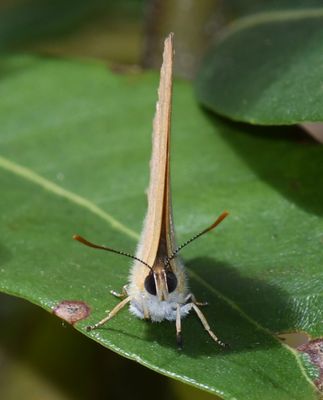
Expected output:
(314, 349)
(72, 311)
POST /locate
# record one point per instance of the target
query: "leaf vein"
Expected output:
(52, 187)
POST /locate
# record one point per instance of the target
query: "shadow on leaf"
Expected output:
(283, 156)
(243, 315)
(5, 255)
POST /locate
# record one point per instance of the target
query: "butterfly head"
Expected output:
(160, 282)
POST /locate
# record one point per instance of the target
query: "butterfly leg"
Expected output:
(206, 325)
(179, 338)
(121, 295)
(146, 311)
(111, 314)
(192, 298)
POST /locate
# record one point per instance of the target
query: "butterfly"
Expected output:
(158, 283)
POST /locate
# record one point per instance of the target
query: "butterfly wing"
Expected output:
(157, 234)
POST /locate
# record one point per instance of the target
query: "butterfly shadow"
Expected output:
(244, 312)
(285, 157)
(5, 255)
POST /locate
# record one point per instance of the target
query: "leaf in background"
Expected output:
(75, 146)
(267, 69)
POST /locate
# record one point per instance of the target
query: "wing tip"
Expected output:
(169, 41)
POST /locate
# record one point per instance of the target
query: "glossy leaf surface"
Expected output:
(75, 147)
(266, 68)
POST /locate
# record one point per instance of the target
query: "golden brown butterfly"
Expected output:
(158, 285)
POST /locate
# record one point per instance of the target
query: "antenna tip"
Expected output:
(221, 217)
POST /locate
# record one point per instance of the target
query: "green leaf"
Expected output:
(266, 69)
(75, 149)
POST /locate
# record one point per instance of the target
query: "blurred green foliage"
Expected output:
(38, 354)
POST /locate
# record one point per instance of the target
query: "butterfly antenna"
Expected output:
(208, 229)
(96, 246)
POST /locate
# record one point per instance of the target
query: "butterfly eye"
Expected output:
(150, 284)
(171, 281)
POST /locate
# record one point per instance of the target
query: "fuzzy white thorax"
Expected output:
(158, 310)
(142, 302)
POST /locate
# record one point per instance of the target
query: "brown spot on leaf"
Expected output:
(294, 339)
(314, 349)
(72, 311)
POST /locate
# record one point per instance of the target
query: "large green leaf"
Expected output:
(75, 145)
(267, 68)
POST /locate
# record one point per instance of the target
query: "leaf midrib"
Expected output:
(60, 191)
